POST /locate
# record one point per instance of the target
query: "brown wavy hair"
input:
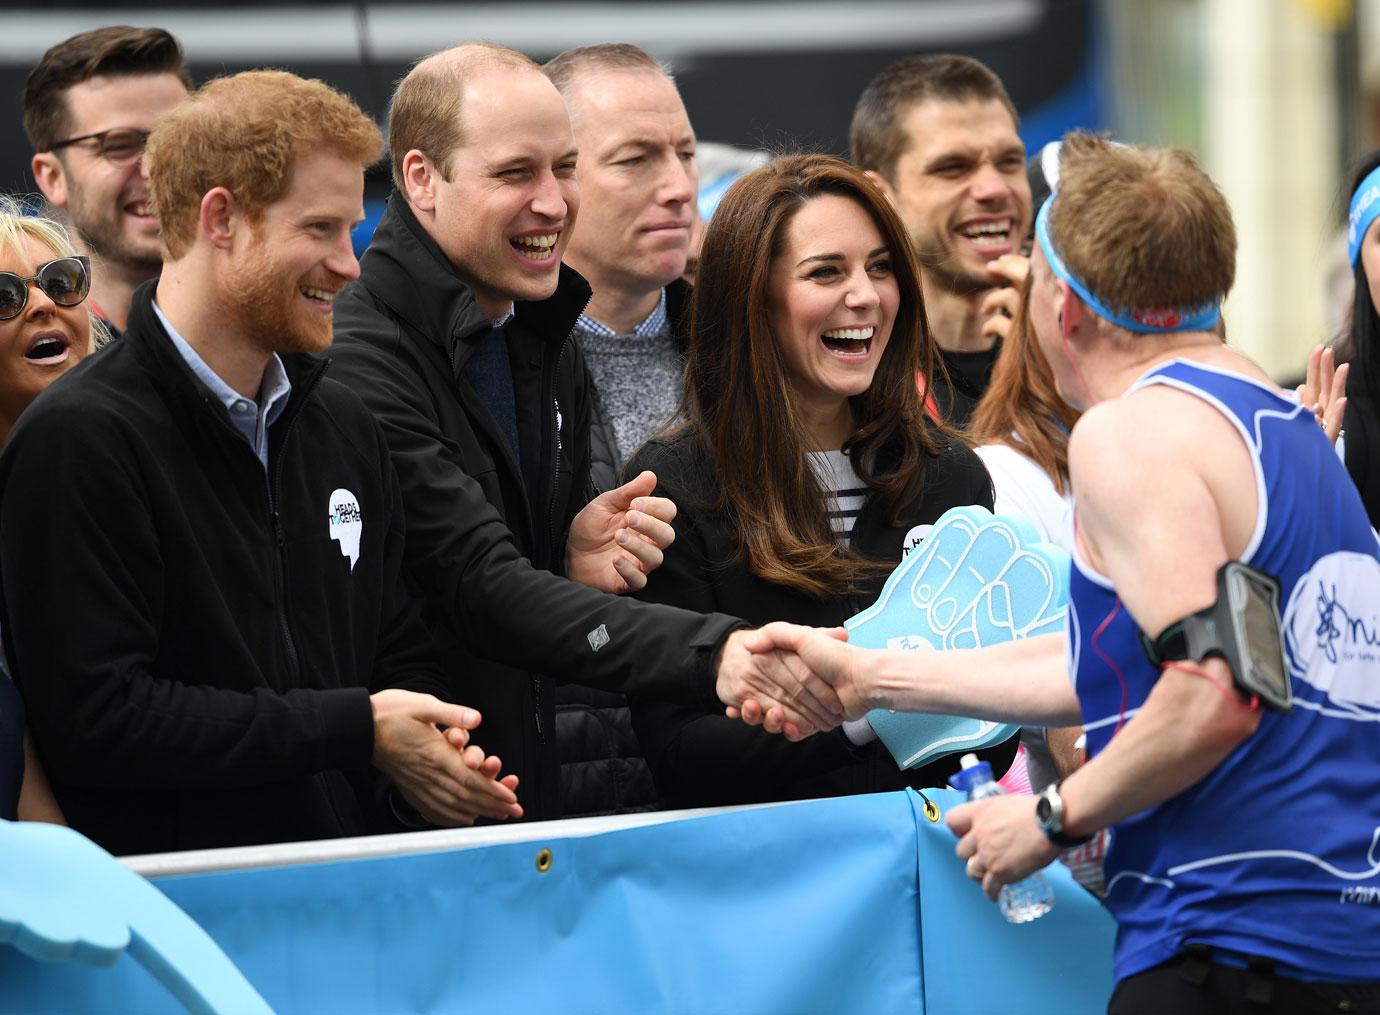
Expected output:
(1021, 407)
(738, 400)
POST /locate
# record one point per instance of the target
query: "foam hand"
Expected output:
(976, 580)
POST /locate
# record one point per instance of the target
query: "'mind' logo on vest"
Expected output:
(345, 524)
(1332, 631)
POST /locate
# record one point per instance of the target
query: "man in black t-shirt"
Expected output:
(938, 134)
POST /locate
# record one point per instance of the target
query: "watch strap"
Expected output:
(1171, 645)
(1066, 841)
(1055, 834)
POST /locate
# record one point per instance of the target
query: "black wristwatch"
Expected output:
(1049, 815)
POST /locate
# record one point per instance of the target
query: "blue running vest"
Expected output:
(1275, 853)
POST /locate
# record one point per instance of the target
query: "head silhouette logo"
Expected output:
(346, 524)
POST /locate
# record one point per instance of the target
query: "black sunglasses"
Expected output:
(64, 280)
(120, 145)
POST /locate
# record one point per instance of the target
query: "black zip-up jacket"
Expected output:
(701, 758)
(602, 767)
(195, 648)
(486, 534)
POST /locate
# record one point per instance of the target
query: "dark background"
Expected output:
(766, 74)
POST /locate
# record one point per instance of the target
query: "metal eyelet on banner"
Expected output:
(931, 808)
(544, 860)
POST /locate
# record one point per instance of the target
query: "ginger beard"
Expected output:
(267, 304)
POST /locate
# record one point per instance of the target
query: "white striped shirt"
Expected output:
(844, 492)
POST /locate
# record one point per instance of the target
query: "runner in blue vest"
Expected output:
(1244, 870)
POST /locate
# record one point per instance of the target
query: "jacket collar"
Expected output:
(405, 269)
(146, 337)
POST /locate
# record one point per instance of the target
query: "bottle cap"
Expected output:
(973, 773)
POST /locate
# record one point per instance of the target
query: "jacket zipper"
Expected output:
(280, 540)
(556, 460)
(551, 506)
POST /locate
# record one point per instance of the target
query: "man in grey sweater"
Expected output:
(638, 187)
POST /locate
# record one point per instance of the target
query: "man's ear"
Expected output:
(51, 177)
(420, 177)
(1072, 314)
(220, 216)
(882, 184)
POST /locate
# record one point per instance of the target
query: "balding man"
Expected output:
(457, 335)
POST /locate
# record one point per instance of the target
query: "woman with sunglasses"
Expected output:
(803, 467)
(45, 330)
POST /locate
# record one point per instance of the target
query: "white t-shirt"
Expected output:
(1022, 488)
(844, 492)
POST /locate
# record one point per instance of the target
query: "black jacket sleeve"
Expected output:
(83, 596)
(406, 656)
(464, 558)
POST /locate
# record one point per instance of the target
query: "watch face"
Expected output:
(1044, 810)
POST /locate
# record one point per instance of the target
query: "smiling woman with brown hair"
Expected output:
(802, 466)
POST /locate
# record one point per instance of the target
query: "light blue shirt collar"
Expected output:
(250, 419)
(654, 324)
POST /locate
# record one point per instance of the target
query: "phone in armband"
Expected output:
(1242, 627)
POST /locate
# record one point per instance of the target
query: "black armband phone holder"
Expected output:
(1242, 627)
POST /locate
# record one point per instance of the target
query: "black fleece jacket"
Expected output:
(699, 757)
(485, 532)
(195, 648)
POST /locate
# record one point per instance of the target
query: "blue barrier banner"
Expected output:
(854, 904)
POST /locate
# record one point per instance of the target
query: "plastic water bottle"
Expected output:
(1025, 900)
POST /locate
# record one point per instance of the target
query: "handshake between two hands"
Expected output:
(786, 678)
(790, 679)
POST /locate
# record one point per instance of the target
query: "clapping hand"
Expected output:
(1324, 391)
(446, 778)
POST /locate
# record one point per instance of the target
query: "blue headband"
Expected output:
(1150, 320)
(1365, 207)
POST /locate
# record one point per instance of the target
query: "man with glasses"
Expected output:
(89, 106)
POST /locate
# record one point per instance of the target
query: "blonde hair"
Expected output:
(243, 132)
(17, 225)
(1141, 227)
